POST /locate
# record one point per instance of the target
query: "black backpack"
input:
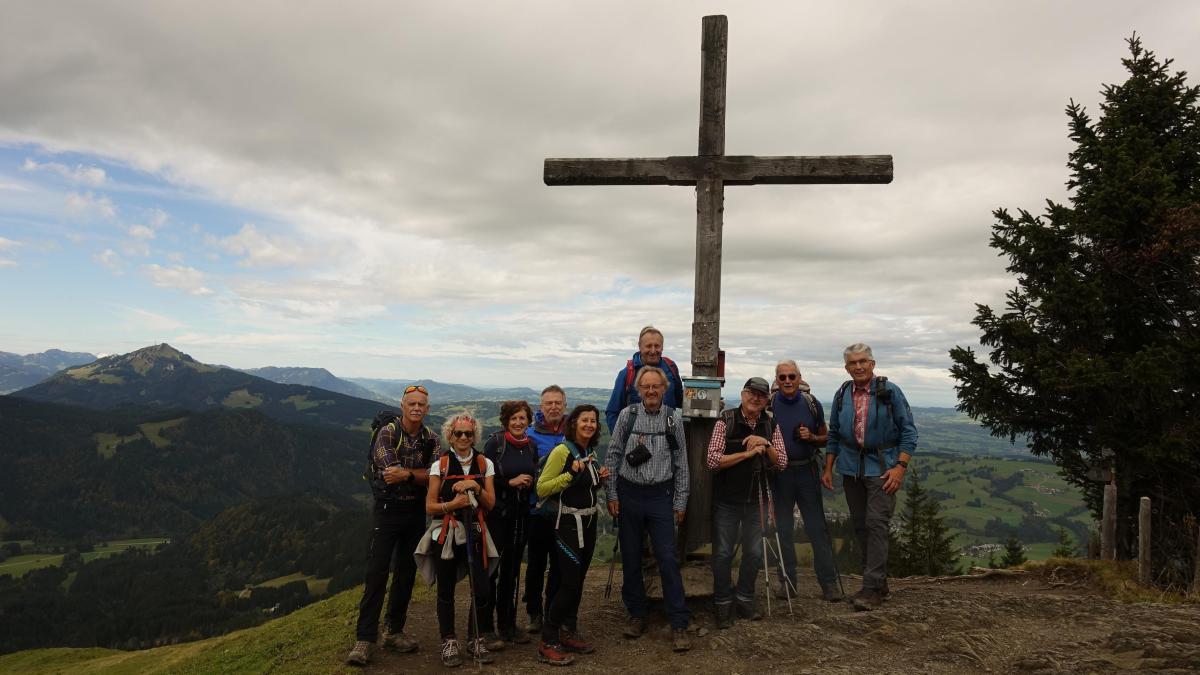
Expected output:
(380, 488)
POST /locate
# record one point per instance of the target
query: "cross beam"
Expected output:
(710, 170)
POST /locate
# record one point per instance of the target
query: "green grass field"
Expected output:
(315, 586)
(312, 640)
(19, 565)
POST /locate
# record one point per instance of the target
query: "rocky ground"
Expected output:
(1027, 623)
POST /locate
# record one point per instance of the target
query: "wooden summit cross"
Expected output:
(710, 170)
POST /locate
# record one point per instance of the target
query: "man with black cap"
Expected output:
(745, 445)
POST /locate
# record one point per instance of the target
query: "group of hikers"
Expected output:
(533, 491)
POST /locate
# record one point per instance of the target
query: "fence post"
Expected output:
(1144, 541)
(1108, 524)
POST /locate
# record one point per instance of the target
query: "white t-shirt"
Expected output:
(468, 466)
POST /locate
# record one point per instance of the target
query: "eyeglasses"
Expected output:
(787, 377)
(415, 387)
(860, 362)
(463, 434)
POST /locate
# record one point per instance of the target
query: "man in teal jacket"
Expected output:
(871, 439)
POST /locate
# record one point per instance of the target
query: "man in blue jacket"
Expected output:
(871, 439)
(649, 353)
(547, 430)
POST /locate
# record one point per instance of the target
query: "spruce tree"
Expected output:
(1098, 345)
(1066, 547)
(1014, 553)
(924, 544)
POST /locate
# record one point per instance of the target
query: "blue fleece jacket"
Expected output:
(899, 432)
(623, 396)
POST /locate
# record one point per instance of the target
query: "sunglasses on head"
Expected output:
(463, 434)
(787, 376)
(416, 387)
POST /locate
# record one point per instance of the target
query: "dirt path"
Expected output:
(1007, 625)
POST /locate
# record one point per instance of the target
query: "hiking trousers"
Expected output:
(800, 486)
(573, 564)
(732, 522)
(541, 556)
(509, 533)
(395, 532)
(648, 509)
(447, 579)
(871, 512)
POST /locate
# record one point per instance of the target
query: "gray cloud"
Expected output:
(421, 127)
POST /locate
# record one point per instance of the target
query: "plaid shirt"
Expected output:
(716, 445)
(650, 429)
(407, 453)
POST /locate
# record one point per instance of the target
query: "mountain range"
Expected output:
(18, 371)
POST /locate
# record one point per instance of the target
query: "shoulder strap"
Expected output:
(633, 413)
(444, 464)
(812, 407)
(481, 463)
(671, 364)
(836, 408)
(629, 375)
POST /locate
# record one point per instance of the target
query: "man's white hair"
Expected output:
(857, 348)
(637, 381)
(787, 362)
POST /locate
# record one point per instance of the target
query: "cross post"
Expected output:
(710, 170)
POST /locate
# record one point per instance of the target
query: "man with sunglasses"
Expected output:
(871, 439)
(402, 453)
(801, 421)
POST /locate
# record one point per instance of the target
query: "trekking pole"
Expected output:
(471, 573)
(515, 549)
(762, 520)
(612, 560)
(788, 586)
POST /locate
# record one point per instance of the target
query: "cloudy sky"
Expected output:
(358, 185)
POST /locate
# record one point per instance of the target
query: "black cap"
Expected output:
(758, 384)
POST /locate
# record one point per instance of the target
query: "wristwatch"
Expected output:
(903, 463)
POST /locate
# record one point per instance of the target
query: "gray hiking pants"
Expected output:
(871, 512)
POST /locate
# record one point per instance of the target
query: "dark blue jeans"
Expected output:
(799, 485)
(647, 509)
(732, 522)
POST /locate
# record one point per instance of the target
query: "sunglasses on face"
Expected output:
(416, 387)
(463, 434)
(787, 377)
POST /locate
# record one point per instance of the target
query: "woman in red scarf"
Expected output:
(515, 459)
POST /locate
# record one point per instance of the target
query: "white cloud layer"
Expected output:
(395, 154)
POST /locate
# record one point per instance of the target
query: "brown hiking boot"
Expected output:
(477, 649)
(494, 642)
(554, 655)
(884, 591)
(680, 641)
(831, 593)
(573, 643)
(399, 642)
(867, 600)
(360, 654)
(635, 627)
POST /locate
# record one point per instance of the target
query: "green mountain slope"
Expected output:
(163, 377)
(73, 472)
(310, 640)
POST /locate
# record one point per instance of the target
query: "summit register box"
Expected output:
(702, 396)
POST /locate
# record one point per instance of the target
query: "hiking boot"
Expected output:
(479, 651)
(494, 642)
(784, 589)
(451, 656)
(635, 627)
(573, 643)
(535, 624)
(884, 591)
(679, 640)
(724, 612)
(554, 655)
(360, 654)
(830, 593)
(513, 635)
(747, 609)
(867, 600)
(399, 642)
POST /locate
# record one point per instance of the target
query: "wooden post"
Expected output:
(1108, 524)
(1196, 564)
(1144, 541)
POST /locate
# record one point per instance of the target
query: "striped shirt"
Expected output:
(649, 429)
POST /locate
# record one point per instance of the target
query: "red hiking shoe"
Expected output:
(554, 655)
(573, 643)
